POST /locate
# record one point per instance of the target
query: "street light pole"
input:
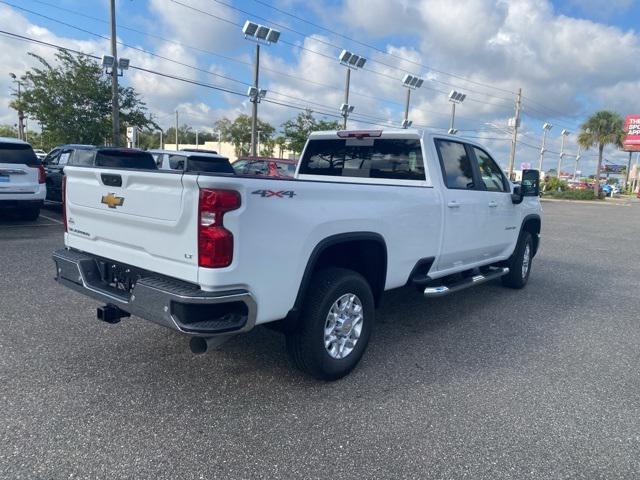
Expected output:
(346, 98)
(254, 108)
(454, 98)
(545, 128)
(563, 134)
(578, 156)
(177, 139)
(21, 133)
(115, 108)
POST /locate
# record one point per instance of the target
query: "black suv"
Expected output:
(90, 156)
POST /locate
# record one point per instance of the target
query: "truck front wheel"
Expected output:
(336, 323)
(520, 263)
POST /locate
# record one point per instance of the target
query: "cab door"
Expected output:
(501, 226)
(464, 210)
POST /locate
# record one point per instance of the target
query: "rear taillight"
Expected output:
(215, 243)
(64, 201)
(42, 175)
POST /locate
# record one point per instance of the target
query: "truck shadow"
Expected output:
(425, 340)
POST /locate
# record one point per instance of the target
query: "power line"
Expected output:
(321, 54)
(379, 50)
(174, 77)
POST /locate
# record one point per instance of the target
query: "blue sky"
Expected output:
(569, 57)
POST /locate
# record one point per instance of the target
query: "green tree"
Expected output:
(601, 129)
(238, 133)
(8, 131)
(71, 99)
(297, 131)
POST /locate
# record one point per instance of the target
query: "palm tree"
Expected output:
(601, 129)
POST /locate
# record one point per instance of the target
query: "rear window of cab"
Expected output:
(385, 158)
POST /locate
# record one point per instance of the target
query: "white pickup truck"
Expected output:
(213, 254)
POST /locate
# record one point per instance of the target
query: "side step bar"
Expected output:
(442, 290)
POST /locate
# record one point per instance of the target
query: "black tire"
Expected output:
(306, 344)
(517, 278)
(31, 214)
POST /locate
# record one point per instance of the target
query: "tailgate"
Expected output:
(18, 178)
(144, 218)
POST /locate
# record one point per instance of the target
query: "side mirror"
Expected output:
(516, 195)
(530, 185)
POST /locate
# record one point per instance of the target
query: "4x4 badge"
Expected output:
(112, 201)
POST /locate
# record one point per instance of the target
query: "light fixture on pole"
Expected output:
(564, 133)
(261, 35)
(455, 98)
(545, 128)
(410, 82)
(352, 62)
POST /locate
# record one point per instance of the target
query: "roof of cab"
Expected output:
(395, 133)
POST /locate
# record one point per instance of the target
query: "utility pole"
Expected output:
(115, 108)
(254, 109)
(177, 139)
(161, 142)
(197, 147)
(514, 139)
(346, 97)
(578, 156)
(219, 141)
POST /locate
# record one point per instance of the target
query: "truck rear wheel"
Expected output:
(336, 323)
(520, 263)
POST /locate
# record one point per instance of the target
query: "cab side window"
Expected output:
(491, 175)
(456, 165)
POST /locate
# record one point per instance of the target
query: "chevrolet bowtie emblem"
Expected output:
(112, 201)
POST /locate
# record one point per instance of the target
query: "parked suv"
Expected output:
(22, 178)
(89, 156)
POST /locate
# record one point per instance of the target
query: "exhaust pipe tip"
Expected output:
(198, 345)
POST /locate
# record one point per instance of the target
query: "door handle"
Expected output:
(453, 204)
(492, 204)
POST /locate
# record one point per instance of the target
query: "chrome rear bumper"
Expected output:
(167, 301)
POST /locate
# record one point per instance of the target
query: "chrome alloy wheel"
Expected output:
(343, 326)
(526, 260)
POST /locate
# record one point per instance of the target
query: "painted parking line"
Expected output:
(52, 219)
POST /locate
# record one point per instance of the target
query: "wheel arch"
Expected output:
(533, 224)
(363, 252)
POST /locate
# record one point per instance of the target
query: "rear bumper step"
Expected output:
(442, 290)
(169, 302)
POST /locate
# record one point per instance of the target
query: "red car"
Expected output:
(270, 167)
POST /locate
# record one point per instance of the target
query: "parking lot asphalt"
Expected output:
(490, 383)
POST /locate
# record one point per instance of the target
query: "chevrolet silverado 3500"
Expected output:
(212, 255)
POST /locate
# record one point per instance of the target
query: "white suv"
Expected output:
(22, 178)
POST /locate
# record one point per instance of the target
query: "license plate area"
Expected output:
(116, 276)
